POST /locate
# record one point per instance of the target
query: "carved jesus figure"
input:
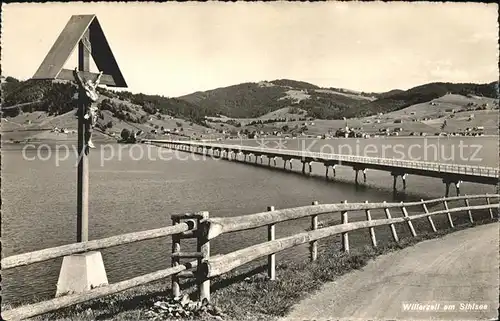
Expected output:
(87, 90)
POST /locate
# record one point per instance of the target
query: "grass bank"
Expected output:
(250, 296)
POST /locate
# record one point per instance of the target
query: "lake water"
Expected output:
(131, 193)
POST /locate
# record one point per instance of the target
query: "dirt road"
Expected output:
(459, 268)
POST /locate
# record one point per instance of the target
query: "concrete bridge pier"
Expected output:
(448, 182)
(334, 168)
(403, 177)
(304, 167)
(289, 160)
(269, 160)
(395, 178)
(447, 192)
(357, 170)
(457, 187)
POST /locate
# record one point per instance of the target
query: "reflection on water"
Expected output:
(129, 194)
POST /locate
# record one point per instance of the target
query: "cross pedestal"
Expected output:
(81, 272)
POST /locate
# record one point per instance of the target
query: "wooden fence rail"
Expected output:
(221, 264)
(59, 251)
(200, 226)
(221, 225)
(35, 309)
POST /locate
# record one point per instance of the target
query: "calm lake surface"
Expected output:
(132, 193)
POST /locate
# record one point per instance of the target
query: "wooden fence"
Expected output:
(203, 228)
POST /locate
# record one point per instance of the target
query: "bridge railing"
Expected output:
(431, 166)
(200, 226)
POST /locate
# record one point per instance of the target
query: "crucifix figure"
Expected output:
(87, 91)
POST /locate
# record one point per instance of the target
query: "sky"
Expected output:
(174, 49)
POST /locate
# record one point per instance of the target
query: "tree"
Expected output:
(179, 124)
(131, 138)
(125, 134)
(11, 79)
(443, 126)
(109, 124)
(12, 112)
(285, 128)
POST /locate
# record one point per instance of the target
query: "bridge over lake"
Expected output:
(449, 173)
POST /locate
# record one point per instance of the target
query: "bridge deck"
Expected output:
(453, 172)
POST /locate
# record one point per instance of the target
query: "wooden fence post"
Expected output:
(345, 235)
(429, 218)
(203, 246)
(445, 203)
(488, 202)
(468, 210)
(393, 228)
(176, 248)
(271, 259)
(371, 229)
(313, 248)
(410, 224)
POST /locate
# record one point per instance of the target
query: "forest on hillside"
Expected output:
(247, 100)
(56, 97)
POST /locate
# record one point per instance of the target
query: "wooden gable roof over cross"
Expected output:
(77, 26)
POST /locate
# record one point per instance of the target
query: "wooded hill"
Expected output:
(247, 100)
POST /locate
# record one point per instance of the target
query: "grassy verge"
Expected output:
(250, 296)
